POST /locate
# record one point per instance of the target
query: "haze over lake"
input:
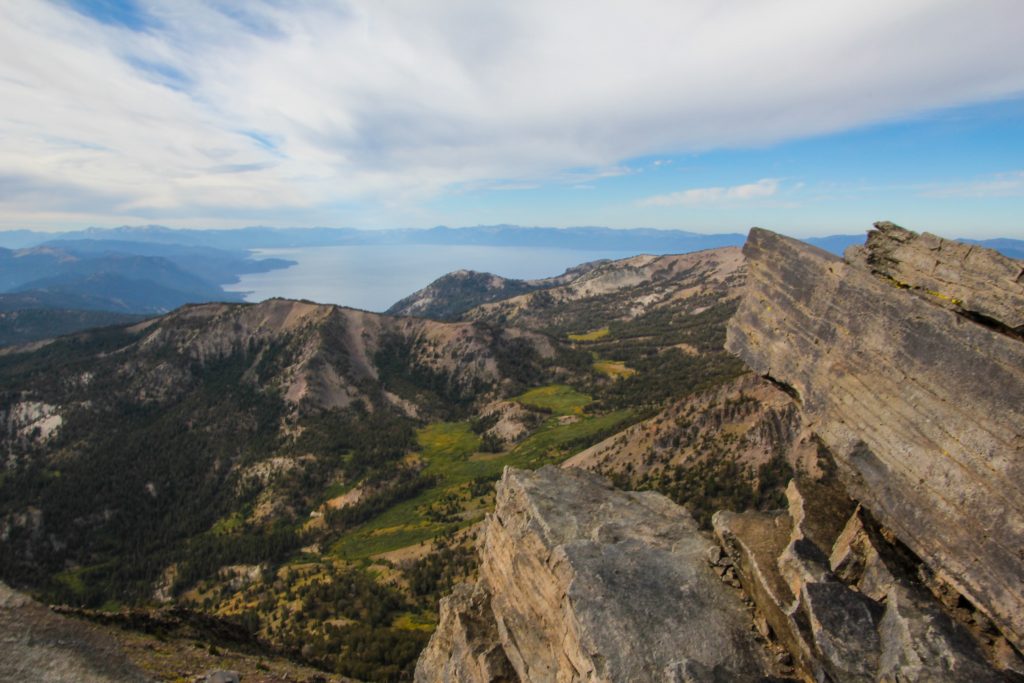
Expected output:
(374, 277)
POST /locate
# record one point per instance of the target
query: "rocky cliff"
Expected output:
(905, 360)
(582, 582)
(895, 554)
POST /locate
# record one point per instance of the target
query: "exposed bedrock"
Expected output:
(846, 603)
(921, 404)
(38, 645)
(964, 277)
(582, 582)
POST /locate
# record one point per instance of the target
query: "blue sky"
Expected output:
(806, 117)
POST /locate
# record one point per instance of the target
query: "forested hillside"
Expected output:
(315, 473)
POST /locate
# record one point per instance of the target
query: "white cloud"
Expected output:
(1001, 185)
(314, 105)
(766, 187)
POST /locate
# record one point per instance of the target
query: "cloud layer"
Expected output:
(766, 187)
(207, 110)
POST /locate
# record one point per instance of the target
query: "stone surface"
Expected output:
(965, 277)
(466, 648)
(223, 677)
(922, 408)
(755, 541)
(589, 583)
(842, 625)
(921, 643)
(874, 620)
(819, 510)
(38, 645)
(858, 558)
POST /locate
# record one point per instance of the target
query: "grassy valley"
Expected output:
(315, 474)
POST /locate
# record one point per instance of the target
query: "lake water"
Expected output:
(374, 277)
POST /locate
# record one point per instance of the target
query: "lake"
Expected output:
(373, 277)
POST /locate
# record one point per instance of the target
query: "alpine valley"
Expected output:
(660, 468)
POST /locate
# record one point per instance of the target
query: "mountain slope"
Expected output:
(153, 461)
(216, 389)
(26, 325)
(621, 290)
(447, 297)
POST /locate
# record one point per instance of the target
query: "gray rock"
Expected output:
(963, 277)
(922, 408)
(755, 541)
(38, 645)
(589, 583)
(858, 557)
(842, 624)
(223, 677)
(819, 510)
(465, 647)
(921, 643)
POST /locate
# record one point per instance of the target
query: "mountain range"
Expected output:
(146, 270)
(316, 480)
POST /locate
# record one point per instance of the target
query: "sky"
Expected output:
(803, 116)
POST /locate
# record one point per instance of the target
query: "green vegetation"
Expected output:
(451, 457)
(722, 484)
(556, 398)
(614, 368)
(192, 469)
(593, 335)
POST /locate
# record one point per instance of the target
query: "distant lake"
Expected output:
(374, 277)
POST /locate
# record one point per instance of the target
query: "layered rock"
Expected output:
(920, 398)
(845, 602)
(964, 277)
(581, 582)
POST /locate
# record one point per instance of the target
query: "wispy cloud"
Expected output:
(185, 107)
(766, 187)
(1000, 185)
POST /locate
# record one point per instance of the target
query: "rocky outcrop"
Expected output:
(582, 582)
(466, 646)
(847, 604)
(964, 277)
(919, 397)
(38, 645)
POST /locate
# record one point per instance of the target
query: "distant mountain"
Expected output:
(836, 244)
(639, 239)
(108, 292)
(22, 326)
(642, 240)
(19, 239)
(219, 266)
(60, 286)
(447, 297)
(24, 265)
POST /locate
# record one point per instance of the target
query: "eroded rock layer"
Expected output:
(581, 582)
(964, 277)
(922, 405)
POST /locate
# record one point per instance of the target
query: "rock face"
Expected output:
(964, 277)
(38, 645)
(581, 582)
(919, 397)
(840, 598)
